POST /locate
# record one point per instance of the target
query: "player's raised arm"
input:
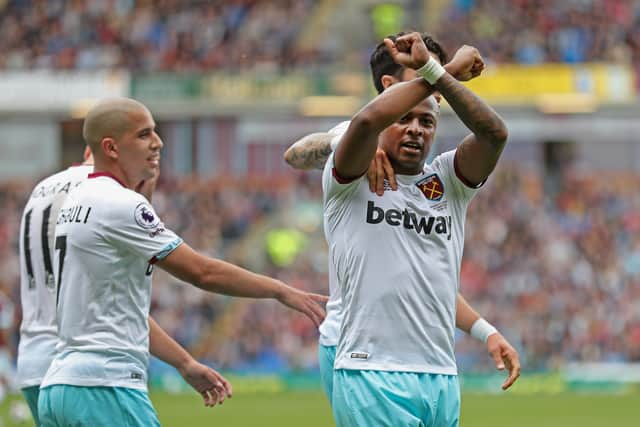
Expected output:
(221, 277)
(312, 151)
(477, 155)
(358, 145)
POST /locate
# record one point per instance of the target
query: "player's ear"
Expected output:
(387, 80)
(87, 153)
(109, 148)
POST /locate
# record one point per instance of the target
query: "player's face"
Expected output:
(139, 148)
(408, 140)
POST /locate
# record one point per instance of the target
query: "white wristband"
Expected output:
(431, 71)
(335, 141)
(482, 329)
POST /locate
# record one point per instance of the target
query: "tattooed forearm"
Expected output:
(476, 114)
(309, 152)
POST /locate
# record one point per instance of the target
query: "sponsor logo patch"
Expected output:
(145, 217)
(431, 187)
(360, 355)
(157, 231)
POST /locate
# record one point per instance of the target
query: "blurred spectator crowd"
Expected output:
(151, 35)
(537, 31)
(555, 265)
(233, 35)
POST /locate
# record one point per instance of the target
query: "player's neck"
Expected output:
(114, 172)
(407, 170)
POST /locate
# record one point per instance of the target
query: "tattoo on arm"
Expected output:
(310, 152)
(476, 114)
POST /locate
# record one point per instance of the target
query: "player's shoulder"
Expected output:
(442, 161)
(76, 173)
(110, 192)
(340, 128)
(120, 203)
(59, 183)
(441, 169)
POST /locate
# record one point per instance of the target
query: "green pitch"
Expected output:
(310, 409)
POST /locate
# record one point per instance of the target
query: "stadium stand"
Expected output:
(152, 35)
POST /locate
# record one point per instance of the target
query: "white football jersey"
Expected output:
(330, 327)
(107, 239)
(38, 330)
(397, 262)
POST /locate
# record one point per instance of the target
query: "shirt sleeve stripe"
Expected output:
(166, 251)
(341, 180)
(461, 177)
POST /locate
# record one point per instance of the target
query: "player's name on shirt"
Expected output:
(409, 220)
(74, 214)
(55, 188)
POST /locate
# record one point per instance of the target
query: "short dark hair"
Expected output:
(382, 63)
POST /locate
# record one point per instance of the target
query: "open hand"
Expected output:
(379, 169)
(212, 386)
(305, 302)
(505, 356)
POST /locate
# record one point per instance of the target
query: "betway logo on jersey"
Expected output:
(409, 220)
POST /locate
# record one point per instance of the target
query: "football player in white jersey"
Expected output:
(38, 331)
(312, 152)
(398, 272)
(108, 239)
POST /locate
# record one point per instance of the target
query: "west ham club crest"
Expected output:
(431, 186)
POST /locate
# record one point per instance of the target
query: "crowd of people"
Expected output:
(152, 35)
(232, 35)
(556, 267)
(540, 31)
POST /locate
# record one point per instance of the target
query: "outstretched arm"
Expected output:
(221, 277)
(212, 386)
(503, 353)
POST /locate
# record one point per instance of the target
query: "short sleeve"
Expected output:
(445, 164)
(335, 189)
(133, 225)
(340, 128)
